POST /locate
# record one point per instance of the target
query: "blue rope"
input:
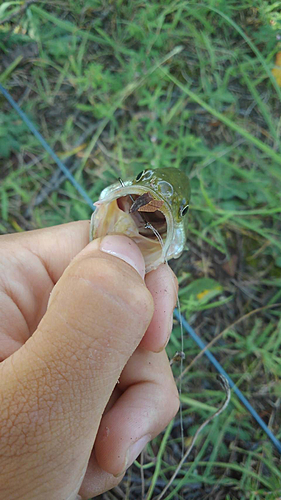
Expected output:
(219, 368)
(187, 327)
(46, 146)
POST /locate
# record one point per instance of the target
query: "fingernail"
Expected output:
(126, 249)
(169, 331)
(134, 451)
(171, 324)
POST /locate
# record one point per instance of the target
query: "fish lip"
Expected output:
(132, 189)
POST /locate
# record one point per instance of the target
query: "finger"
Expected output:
(150, 400)
(96, 481)
(55, 388)
(30, 264)
(54, 246)
(163, 286)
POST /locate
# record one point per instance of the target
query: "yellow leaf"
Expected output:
(75, 151)
(278, 59)
(16, 226)
(277, 71)
(188, 441)
(203, 294)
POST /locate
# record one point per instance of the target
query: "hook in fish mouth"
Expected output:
(145, 204)
(145, 211)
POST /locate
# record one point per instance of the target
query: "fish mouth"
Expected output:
(144, 221)
(152, 231)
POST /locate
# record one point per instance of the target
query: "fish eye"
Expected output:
(139, 175)
(145, 175)
(184, 210)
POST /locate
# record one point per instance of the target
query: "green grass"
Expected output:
(117, 86)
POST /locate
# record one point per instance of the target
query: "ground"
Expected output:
(115, 87)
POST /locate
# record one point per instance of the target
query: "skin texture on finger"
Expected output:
(163, 286)
(64, 241)
(150, 400)
(55, 388)
(96, 480)
(30, 264)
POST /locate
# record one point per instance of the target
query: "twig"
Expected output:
(224, 383)
(53, 184)
(215, 339)
(216, 157)
(123, 95)
(110, 155)
(58, 177)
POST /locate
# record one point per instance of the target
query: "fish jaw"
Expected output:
(109, 218)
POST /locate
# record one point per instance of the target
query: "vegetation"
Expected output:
(115, 87)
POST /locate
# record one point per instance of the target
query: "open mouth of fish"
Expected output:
(143, 215)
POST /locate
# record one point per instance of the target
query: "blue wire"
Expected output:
(219, 368)
(187, 327)
(47, 147)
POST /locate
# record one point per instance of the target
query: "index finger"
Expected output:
(55, 246)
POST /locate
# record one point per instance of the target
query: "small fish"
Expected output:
(151, 209)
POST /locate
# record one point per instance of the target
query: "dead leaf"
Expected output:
(230, 266)
(152, 206)
(146, 203)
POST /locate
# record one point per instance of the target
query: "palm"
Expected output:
(30, 265)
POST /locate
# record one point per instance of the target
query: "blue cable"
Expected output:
(187, 327)
(219, 368)
(46, 146)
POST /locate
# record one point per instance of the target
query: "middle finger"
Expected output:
(149, 401)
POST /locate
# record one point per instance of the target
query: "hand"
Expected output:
(85, 381)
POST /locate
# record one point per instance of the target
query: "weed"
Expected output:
(211, 108)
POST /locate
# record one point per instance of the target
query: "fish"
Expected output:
(151, 209)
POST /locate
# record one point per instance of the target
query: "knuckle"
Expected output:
(106, 302)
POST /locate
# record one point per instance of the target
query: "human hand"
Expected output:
(84, 380)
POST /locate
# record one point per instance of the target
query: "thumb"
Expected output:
(55, 388)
